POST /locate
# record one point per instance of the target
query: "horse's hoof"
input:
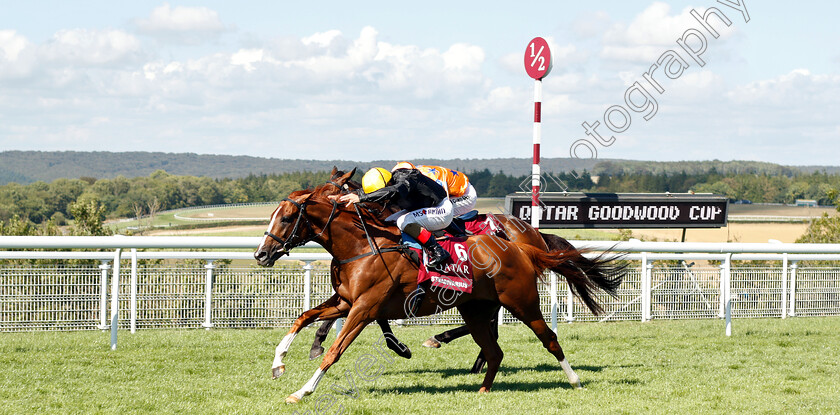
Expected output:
(292, 399)
(578, 386)
(315, 352)
(278, 371)
(431, 343)
(404, 352)
(484, 390)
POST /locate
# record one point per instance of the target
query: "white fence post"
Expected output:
(784, 293)
(208, 295)
(727, 277)
(570, 304)
(133, 283)
(115, 298)
(552, 291)
(785, 268)
(103, 295)
(722, 291)
(307, 285)
(792, 308)
(647, 271)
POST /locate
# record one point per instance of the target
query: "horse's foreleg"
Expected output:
(392, 341)
(352, 327)
(333, 305)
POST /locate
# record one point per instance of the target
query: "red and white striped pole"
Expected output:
(537, 65)
(536, 210)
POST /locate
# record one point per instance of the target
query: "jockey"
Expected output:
(461, 192)
(425, 205)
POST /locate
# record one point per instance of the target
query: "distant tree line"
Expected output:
(57, 202)
(40, 202)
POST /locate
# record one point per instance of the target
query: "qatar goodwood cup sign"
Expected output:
(622, 210)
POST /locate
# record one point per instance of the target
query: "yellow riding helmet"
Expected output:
(375, 179)
(403, 165)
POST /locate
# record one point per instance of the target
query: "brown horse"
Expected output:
(376, 281)
(511, 228)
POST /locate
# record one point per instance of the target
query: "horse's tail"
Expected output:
(585, 276)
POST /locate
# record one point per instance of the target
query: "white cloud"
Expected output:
(11, 45)
(653, 26)
(182, 24)
(247, 57)
(798, 88)
(653, 31)
(322, 39)
(16, 55)
(90, 47)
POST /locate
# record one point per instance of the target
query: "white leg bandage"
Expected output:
(573, 377)
(310, 386)
(278, 367)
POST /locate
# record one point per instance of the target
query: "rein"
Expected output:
(374, 249)
(288, 245)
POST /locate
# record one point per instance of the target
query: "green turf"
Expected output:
(767, 366)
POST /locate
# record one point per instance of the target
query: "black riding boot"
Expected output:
(456, 228)
(437, 255)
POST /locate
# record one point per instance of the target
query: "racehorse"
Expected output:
(375, 281)
(506, 226)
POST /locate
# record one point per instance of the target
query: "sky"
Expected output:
(368, 80)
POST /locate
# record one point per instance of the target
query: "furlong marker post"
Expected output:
(536, 212)
(537, 65)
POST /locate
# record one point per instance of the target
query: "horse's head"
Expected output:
(286, 229)
(290, 225)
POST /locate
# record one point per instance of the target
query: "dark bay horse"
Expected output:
(376, 282)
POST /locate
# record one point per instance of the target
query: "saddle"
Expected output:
(457, 274)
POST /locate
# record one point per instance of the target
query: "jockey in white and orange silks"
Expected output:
(461, 193)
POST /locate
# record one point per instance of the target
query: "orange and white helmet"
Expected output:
(403, 165)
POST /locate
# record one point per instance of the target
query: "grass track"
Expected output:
(767, 366)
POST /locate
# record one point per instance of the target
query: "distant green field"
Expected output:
(226, 221)
(767, 366)
(169, 219)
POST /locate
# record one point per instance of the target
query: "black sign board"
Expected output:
(623, 210)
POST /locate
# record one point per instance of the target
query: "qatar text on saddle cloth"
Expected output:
(457, 274)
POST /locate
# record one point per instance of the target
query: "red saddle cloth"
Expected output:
(483, 224)
(456, 274)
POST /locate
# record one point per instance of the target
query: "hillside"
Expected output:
(30, 166)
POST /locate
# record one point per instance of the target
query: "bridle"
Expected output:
(290, 243)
